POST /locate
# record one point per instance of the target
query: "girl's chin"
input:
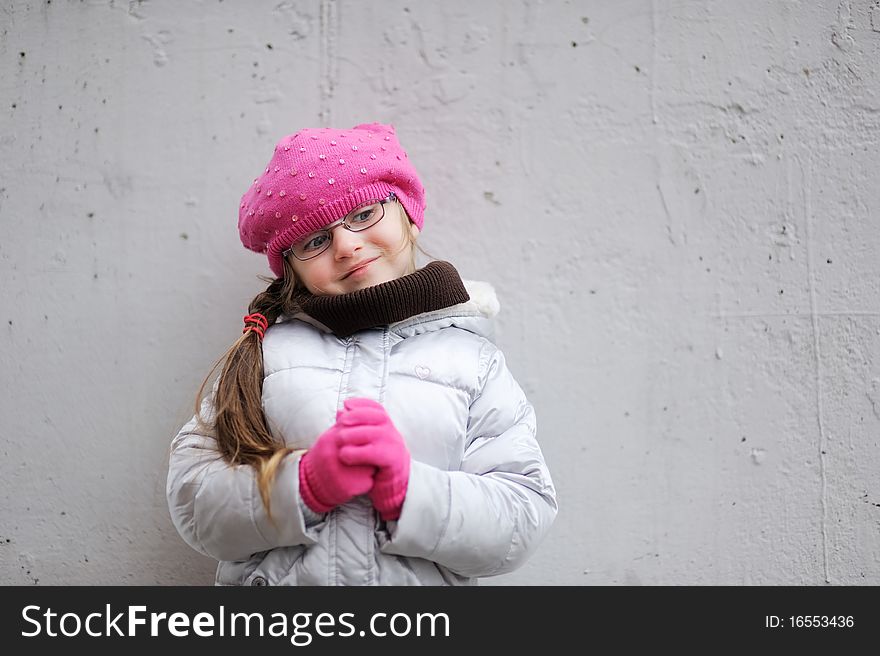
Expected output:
(369, 281)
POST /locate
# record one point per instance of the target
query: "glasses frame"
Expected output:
(329, 228)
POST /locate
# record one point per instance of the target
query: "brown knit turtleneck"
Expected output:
(435, 286)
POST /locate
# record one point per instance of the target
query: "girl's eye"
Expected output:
(364, 216)
(315, 242)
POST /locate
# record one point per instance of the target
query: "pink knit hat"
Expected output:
(319, 175)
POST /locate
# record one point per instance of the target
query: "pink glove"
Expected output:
(370, 438)
(324, 481)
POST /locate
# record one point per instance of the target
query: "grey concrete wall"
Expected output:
(676, 201)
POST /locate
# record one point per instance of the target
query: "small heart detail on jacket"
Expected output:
(422, 372)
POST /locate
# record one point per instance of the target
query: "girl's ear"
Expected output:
(413, 230)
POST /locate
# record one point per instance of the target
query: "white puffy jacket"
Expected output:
(480, 497)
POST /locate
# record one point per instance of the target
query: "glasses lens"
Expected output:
(364, 216)
(315, 244)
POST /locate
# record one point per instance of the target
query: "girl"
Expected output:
(364, 429)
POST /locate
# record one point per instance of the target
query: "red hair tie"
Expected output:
(256, 322)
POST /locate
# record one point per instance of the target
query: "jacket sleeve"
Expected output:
(216, 507)
(490, 516)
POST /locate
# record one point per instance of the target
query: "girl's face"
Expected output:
(384, 245)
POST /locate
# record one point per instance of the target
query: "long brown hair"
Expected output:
(239, 425)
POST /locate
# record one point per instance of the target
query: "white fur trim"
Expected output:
(483, 297)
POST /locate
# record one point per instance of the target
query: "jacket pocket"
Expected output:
(235, 572)
(274, 567)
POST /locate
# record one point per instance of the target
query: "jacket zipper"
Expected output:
(333, 514)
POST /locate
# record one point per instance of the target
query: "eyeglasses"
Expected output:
(364, 216)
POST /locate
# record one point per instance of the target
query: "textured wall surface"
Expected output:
(677, 203)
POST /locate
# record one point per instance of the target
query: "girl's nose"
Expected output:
(345, 242)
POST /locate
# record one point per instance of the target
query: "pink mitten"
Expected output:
(325, 481)
(369, 437)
